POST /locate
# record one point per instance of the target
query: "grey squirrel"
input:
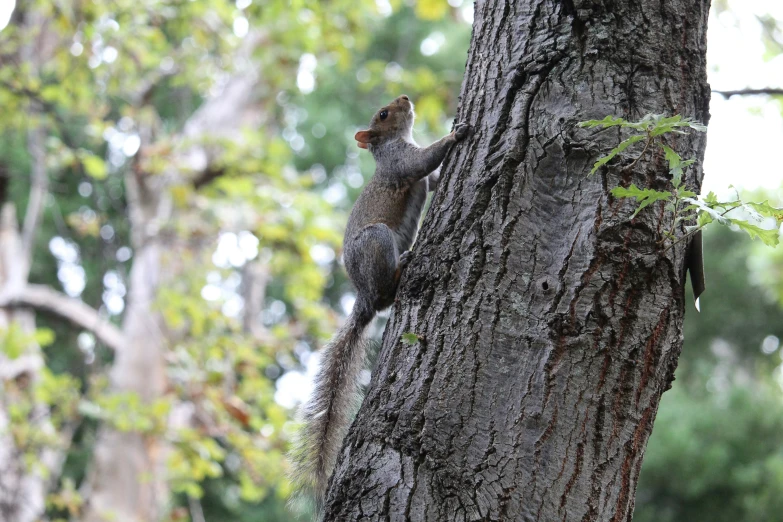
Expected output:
(381, 229)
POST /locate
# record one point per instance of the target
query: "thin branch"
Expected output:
(35, 52)
(196, 511)
(697, 229)
(207, 176)
(57, 460)
(646, 145)
(770, 91)
(45, 299)
(681, 239)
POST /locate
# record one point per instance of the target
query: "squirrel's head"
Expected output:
(392, 122)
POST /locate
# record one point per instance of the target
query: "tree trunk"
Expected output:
(128, 475)
(23, 487)
(549, 325)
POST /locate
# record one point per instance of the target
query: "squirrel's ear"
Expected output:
(363, 138)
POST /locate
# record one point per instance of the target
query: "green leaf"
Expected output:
(609, 121)
(711, 201)
(659, 120)
(410, 338)
(644, 196)
(615, 151)
(672, 157)
(675, 165)
(12, 342)
(94, 166)
(662, 125)
(695, 125)
(90, 409)
(769, 237)
(51, 93)
(655, 124)
(767, 210)
(704, 219)
(44, 336)
(431, 9)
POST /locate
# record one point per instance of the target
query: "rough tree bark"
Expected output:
(549, 324)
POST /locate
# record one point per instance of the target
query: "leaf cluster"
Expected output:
(650, 127)
(683, 205)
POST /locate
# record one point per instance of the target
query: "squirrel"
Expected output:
(381, 228)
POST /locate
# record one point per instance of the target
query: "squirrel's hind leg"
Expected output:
(372, 262)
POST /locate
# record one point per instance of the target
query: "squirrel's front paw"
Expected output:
(460, 131)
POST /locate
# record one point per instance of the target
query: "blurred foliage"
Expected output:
(715, 452)
(717, 457)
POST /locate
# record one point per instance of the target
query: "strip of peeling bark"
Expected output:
(549, 326)
(22, 488)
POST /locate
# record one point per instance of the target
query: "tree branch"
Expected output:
(207, 176)
(235, 108)
(770, 91)
(45, 299)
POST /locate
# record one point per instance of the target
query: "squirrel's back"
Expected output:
(399, 208)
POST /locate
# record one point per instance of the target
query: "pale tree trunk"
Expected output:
(23, 489)
(128, 477)
(549, 324)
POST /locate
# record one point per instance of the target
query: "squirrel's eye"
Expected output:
(384, 114)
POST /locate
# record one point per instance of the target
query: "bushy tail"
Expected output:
(325, 418)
